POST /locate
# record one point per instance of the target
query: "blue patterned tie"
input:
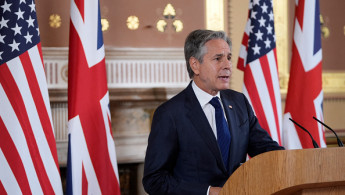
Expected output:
(223, 133)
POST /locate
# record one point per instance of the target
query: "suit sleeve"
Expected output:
(259, 140)
(161, 155)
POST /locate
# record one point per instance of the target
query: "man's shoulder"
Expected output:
(176, 100)
(231, 91)
(232, 94)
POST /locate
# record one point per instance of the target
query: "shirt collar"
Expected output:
(203, 97)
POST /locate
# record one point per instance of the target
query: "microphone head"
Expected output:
(340, 143)
(304, 129)
(315, 144)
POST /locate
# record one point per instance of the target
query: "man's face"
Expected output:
(214, 73)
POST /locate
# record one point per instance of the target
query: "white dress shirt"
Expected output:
(204, 100)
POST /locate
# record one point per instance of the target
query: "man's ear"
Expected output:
(194, 64)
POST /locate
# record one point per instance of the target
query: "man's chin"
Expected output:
(224, 86)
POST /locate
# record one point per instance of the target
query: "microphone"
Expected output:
(340, 143)
(314, 142)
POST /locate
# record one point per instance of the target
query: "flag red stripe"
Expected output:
(14, 96)
(245, 34)
(240, 63)
(44, 119)
(109, 121)
(40, 105)
(2, 189)
(80, 5)
(95, 135)
(249, 82)
(265, 66)
(245, 40)
(13, 158)
(299, 13)
(117, 186)
(12, 92)
(84, 184)
(39, 48)
(277, 103)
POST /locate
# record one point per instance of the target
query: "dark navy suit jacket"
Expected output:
(183, 156)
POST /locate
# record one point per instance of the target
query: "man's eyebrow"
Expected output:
(221, 54)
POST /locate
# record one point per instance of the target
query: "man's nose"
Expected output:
(228, 64)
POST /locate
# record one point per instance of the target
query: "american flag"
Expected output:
(258, 61)
(28, 155)
(305, 96)
(92, 164)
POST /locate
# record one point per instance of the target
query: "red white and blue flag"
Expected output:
(258, 61)
(28, 155)
(92, 164)
(305, 96)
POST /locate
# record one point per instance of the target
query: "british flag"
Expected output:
(92, 165)
(258, 61)
(28, 155)
(305, 96)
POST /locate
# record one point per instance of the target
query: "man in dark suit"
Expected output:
(184, 155)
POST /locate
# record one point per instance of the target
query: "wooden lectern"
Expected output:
(306, 171)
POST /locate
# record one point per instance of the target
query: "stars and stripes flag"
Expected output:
(305, 96)
(258, 61)
(92, 164)
(28, 155)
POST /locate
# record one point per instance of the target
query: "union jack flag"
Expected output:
(305, 96)
(28, 155)
(258, 61)
(92, 165)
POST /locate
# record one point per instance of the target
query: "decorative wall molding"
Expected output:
(60, 117)
(126, 67)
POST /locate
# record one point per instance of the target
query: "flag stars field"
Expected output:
(3, 23)
(14, 45)
(262, 21)
(267, 43)
(264, 8)
(28, 37)
(2, 38)
(19, 28)
(30, 22)
(19, 13)
(16, 30)
(32, 6)
(259, 35)
(262, 25)
(256, 49)
(6, 7)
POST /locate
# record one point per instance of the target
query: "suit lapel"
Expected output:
(230, 112)
(200, 122)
